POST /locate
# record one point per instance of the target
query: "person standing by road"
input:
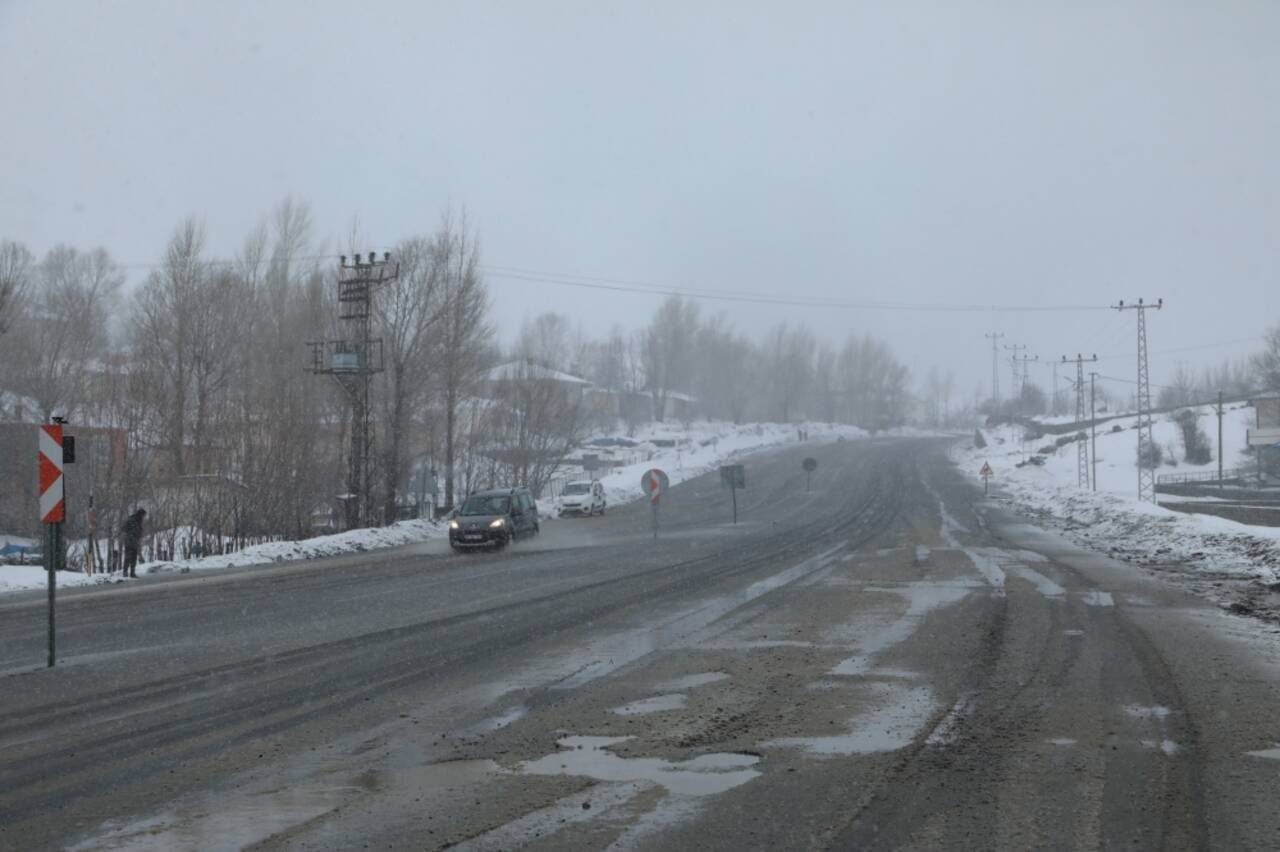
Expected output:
(131, 531)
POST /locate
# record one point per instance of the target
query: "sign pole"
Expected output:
(54, 536)
(53, 510)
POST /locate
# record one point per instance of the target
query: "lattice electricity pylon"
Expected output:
(1146, 466)
(352, 362)
(995, 370)
(1082, 446)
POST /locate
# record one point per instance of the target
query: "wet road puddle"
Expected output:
(901, 716)
(692, 681)
(1168, 747)
(922, 598)
(232, 821)
(699, 625)
(590, 757)
(656, 704)
(1139, 711)
(1272, 753)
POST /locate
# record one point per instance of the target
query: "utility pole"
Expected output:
(1053, 407)
(1093, 426)
(352, 362)
(1220, 484)
(1018, 368)
(1146, 474)
(1082, 451)
(995, 369)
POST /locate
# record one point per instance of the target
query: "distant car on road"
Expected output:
(582, 498)
(494, 519)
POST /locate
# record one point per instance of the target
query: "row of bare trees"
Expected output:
(719, 372)
(192, 391)
(194, 397)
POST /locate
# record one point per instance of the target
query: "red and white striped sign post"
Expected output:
(53, 511)
(53, 505)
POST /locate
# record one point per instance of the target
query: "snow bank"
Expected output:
(15, 578)
(352, 541)
(1112, 521)
(18, 578)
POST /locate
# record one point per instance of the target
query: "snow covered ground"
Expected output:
(1233, 563)
(699, 448)
(703, 447)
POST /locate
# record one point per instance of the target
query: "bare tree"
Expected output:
(165, 331)
(668, 351)
(460, 353)
(788, 364)
(61, 329)
(537, 419)
(406, 314)
(1266, 364)
(15, 273)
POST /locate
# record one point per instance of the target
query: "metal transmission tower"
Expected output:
(995, 369)
(1082, 448)
(352, 361)
(1146, 471)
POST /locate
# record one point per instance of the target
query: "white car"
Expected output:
(582, 498)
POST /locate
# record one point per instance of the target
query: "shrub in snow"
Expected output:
(1152, 458)
(1195, 443)
(979, 441)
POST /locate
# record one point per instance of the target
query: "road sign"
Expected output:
(986, 473)
(52, 505)
(653, 483)
(733, 476)
(810, 465)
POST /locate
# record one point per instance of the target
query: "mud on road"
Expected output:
(882, 662)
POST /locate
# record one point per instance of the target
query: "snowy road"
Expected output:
(879, 663)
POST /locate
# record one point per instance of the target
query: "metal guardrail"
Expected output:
(1201, 476)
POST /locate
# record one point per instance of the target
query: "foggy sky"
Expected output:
(976, 153)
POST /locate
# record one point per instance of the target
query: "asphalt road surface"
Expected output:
(882, 662)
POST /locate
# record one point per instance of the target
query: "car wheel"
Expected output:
(455, 548)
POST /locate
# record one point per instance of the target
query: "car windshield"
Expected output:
(485, 505)
(576, 488)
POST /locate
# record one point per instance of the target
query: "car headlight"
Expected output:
(453, 525)
(499, 522)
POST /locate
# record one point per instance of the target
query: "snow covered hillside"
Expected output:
(1233, 563)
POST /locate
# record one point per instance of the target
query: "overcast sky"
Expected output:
(975, 153)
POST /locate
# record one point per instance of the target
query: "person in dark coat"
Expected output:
(131, 532)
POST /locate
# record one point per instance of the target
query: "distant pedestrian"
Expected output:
(131, 531)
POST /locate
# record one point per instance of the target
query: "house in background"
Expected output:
(1264, 439)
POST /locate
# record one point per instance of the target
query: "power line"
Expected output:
(760, 298)
(1196, 348)
(624, 285)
